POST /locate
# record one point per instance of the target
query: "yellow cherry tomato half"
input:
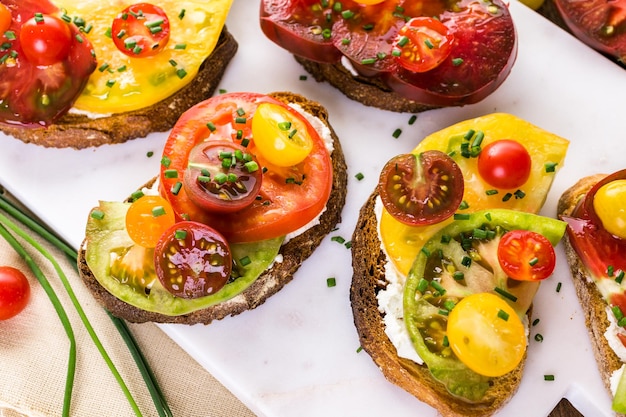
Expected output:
(533, 4)
(5, 18)
(486, 334)
(609, 204)
(148, 218)
(280, 136)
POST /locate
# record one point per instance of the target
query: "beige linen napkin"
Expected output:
(34, 350)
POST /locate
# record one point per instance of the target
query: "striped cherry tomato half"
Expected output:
(526, 256)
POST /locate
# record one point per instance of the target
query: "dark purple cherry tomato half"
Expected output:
(421, 189)
(192, 260)
(222, 176)
(504, 164)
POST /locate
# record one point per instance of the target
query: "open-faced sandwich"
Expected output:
(448, 255)
(249, 186)
(598, 23)
(82, 73)
(595, 245)
(403, 56)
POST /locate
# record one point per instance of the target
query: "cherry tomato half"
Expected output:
(192, 260)
(486, 334)
(421, 189)
(609, 203)
(504, 164)
(422, 44)
(222, 176)
(141, 30)
(526, 255)
(5, 18)
(148, 218)
(14, 292)
(281, 138)
(45, 40)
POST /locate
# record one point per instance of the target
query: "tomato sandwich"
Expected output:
(403, 56)
(249, 186)
(595, 245)
(448, 253)
(83, 73)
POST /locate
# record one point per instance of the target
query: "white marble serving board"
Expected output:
(296, 355)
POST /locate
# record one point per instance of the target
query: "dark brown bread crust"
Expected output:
(79, 131)
(368, 262)
(591, 301)
(295, 252)
(368, 91)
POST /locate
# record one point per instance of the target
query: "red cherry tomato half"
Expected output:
(141, 30)
(422, 44)
(504, 164)
(222, 176)
(5, 18)
(14, 292)
(421, 189)
(526, 255)
(45, 40)
(192, 260)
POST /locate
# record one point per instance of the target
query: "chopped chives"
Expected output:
(505, 294)
(337, 239)
(422, 285)
(166, 161)
(136, 195)
(97, 214)
(176, 187)
(171, 173)
(548, 377)
(503, 315)
(180, 234)
(158, 211)
(396, 133)
(412, 119)
(539, 337)
(550, 166)
(461, 216)
(558, 287)
(359, 176)
(331, 282)
(438, 287)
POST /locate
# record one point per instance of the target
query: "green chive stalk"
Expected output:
(45, 284)
(155, 392)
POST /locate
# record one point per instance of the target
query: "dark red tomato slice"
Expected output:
(192, 260)
(301, 27)
(421, 189)
(33, 92)
(600, 24)
(483, 55)
(141, 30)
(222, 177)
(290, 197)
(45, 39)
(14, 292)
(422, 44)
(504, 164)
(5, 18)
(526, 256)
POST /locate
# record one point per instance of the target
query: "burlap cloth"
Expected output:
(34, 350)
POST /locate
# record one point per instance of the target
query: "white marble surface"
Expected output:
(297, 354)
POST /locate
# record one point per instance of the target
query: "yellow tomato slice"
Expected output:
(547, 152)
(486, 334)
(123, 83)
(280, 136)
(148, 218)
(609, 204)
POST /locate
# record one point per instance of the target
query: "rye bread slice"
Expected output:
(368, 262)
(368, 91)
(80, 131)
(294, 252)
(591, 301)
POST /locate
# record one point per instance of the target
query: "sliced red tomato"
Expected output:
(526, 256)
(504, 164)
(422, 44)
(42, 69)
(480, 58)
(289, 198)
(421, 189)
(601, 24)
(141, 30)
(5, 18)
(222, 176)
(192, 260)
(45, 40)
(14, 292)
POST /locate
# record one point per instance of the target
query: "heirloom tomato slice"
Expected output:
(141, 30)
(421, 189)
(192, 260)
(289, 197)
(526, 256)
